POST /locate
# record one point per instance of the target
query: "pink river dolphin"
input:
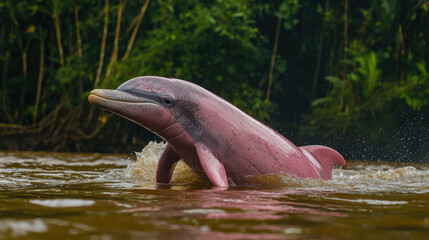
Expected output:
(213, 137)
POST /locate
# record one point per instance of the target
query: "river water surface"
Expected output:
(93, 196)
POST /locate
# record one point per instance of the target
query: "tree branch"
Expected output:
(136, 27)
(103, 43)
(114, 56)
(273, 59)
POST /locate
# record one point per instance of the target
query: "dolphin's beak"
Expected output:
(142, 109)
(118, 102)
(98, 96)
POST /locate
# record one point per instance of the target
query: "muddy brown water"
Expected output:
(92, 196)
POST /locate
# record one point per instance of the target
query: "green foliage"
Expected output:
(379, 72)
(253, 102)
(287, 11)
(359, 91)
(209, 44)
(415, 89)
(73, 70)
(369, 65)
(336, 81)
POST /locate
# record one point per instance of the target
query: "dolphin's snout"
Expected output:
(95, 97)
(95, 92)
(105, 93)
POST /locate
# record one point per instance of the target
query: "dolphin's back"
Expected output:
(246, 146)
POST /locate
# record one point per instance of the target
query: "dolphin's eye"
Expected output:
(168, 101)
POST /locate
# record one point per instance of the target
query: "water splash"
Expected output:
(355, 177)
(144, 169)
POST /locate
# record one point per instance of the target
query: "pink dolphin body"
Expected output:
(216, 139)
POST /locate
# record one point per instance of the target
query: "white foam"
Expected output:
(203, 211)
(372, 201)
(22, 227)
(144, 169)
(375, 178)
(59, 203)
(366, 178)
(292, 230)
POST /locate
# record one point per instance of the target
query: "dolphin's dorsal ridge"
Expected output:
(213, 168)
(326, 157)
(166, 165)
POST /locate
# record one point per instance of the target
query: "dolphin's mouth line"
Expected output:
(111, 98)
(119, 100)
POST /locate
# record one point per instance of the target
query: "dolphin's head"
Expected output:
(167, 107)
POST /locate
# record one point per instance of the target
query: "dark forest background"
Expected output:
(353, 75)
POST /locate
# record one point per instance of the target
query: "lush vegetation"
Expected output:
(331, 71)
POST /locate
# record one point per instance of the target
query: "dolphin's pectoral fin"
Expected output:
(326, 157)
(166, 165)
(213, 168)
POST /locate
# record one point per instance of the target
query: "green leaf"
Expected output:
(318, 102)
(334, 80)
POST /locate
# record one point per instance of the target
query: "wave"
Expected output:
(354, 177)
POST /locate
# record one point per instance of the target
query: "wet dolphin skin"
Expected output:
(214, 138)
